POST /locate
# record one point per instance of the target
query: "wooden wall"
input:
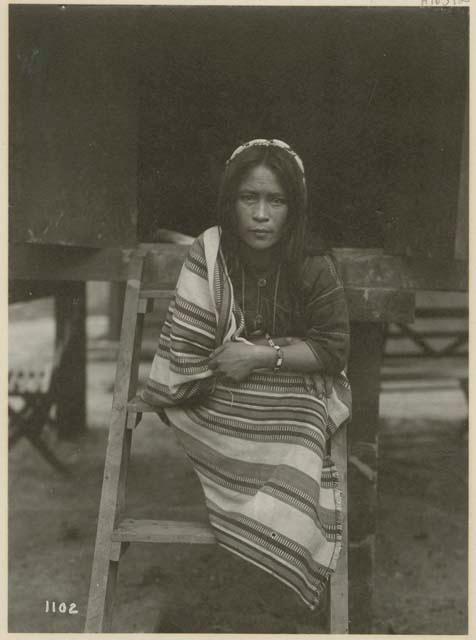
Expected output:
(122, 118)
(73, 126)
(373, 99)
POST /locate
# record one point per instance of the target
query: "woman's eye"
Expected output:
(248, 198)
(278, 202)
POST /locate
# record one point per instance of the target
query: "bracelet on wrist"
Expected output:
(279, 354)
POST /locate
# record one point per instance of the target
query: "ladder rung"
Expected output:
(164, 531)
(137, 405)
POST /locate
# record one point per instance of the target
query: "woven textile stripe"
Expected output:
(258, 447)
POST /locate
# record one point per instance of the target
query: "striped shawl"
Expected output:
(258, 446)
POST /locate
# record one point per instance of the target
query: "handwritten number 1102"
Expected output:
(51, 606)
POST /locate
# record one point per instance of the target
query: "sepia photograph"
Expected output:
(238, 245)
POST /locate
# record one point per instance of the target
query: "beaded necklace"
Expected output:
(261, 282)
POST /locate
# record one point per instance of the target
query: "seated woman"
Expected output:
(249, 372)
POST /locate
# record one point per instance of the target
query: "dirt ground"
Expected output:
(421, 556)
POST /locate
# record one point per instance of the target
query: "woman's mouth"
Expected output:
(260, 233)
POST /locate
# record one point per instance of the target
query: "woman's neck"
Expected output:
(260, 260)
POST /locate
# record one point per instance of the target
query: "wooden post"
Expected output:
(70, 312)
(117, 292)
(364, 374)
(339, 583)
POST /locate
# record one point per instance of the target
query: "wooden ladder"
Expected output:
(115, 531)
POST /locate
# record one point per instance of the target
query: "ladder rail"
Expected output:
(103, 577)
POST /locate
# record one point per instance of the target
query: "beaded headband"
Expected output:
(262, 142)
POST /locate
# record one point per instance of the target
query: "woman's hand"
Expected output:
(324, 385)
(237, 360)
(282, 342)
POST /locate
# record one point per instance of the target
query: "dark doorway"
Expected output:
(368, 99)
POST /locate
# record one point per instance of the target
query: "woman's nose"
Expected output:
(260, 212)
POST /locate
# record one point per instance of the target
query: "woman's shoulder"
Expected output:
(320, 272)
(205, 247)
(196, 258)
(210, 236)
(315, 245)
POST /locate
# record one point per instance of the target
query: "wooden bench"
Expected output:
(434, 348)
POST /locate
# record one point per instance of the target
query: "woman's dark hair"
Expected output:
(291, 179)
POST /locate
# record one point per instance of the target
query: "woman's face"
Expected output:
(261, 209)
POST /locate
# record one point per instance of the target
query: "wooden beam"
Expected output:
(359, 267)
(27, 262)
(28, 290)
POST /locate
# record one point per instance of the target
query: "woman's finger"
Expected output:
(216, 352)
(328, 384)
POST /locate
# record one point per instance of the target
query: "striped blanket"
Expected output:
(259, 446)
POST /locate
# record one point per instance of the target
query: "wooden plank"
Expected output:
(102, 579)
(163, 531)
(339, 584)
(359, 268)
(364, 373)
